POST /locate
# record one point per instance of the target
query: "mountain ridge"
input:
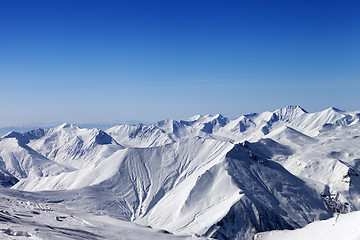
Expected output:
(222, 178)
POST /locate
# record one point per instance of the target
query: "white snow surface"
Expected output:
(345, 226)
(26, 217)
(209, 175)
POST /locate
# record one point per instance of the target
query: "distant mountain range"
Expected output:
(206, 176)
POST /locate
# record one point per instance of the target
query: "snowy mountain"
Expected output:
(21, 161)
(339, 227)
(208, 175)
(82, 146)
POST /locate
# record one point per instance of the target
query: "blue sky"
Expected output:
(104, 61)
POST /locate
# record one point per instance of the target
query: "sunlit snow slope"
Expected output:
(24, 217)
(209, 175)
(339, 227)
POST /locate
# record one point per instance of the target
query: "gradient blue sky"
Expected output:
(101, 61)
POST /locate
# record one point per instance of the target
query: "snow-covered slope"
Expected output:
(339, 227)
(74, 146)
(28, 216)
(201, 180)
(140, 135)
(208, 175)
(20, 160)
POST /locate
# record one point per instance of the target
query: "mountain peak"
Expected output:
(205, 118)
(103, 138)
(335, 110)
(295, 108)
(195, 118)
(67, 125)
(288, 113)
(11, 134)
(218, 116)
